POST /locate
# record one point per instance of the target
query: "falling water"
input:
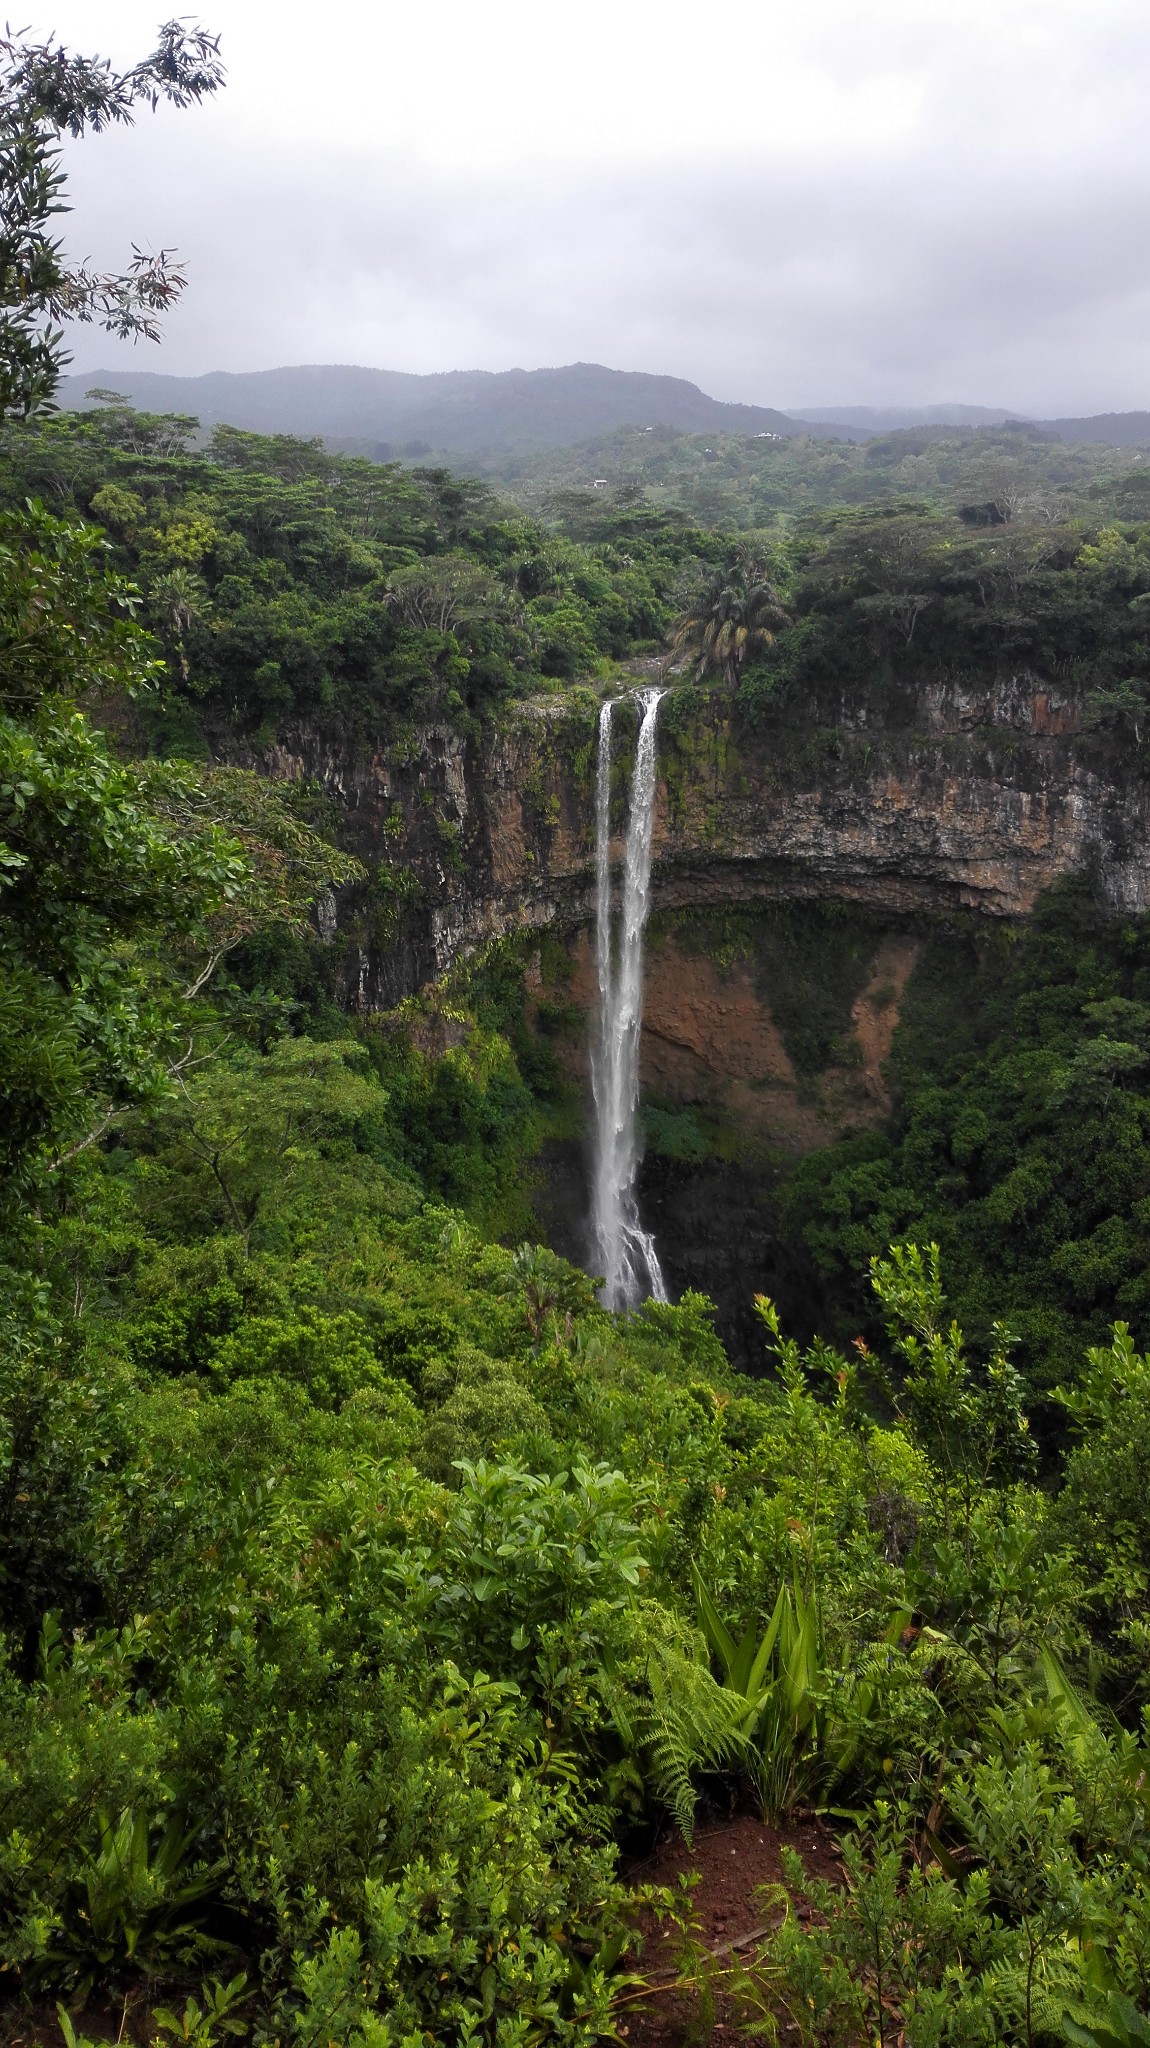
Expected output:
(624, 1251)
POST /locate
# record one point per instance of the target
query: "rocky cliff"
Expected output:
(953, 799)
(798, 865)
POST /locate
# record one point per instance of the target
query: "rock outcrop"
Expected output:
(953, 799)
(844, 830)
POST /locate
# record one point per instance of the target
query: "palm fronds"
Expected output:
(735, 616)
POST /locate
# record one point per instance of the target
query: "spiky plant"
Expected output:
(736, 614)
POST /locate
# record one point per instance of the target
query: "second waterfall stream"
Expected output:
(623, 1251)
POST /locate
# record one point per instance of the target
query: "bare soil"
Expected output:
(126, 2020)
(733, 1861)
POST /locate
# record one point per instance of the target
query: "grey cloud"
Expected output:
(1022, 283)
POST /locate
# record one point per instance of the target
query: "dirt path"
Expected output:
(733, 1861)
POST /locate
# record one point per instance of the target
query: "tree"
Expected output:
(45, 93)
(67, 621)
(1126, 699)
(444, 592)
(1011, 484)
(177, 602)
(735, 615)
(119, 425)
(91, 884)
(889, 562)
(122, 885)
(235, 1135)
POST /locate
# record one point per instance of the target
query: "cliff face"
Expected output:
(794, 867)
(954, 800)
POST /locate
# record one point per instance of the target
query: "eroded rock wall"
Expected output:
(953, 798)
(711, 1036)
(882, 813)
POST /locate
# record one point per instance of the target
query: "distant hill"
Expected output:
(891, 419)
(389, 412)
(1110, 429)
(1117, 429)
(498, 414)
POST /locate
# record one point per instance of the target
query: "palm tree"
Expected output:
(176, 603)
(735, 615)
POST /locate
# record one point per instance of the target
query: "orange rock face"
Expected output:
(710, 1041)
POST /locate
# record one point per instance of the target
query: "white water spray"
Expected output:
(624, 1251)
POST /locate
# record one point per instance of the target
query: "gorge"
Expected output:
(945, 800)
(846, 836)
(574, 1199)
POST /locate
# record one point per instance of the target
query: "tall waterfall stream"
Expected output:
(624, 1252)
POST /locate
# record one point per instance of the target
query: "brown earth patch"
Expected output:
(709, 1038)
(1051, 715)
(733, 1862)
(124, 2022)
(702, 1022)
(876, 1011)
(510, 854)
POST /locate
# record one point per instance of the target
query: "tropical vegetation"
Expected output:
(369, 1595)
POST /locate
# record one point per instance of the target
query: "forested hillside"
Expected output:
(367, 1587)
(284, 581)
(371, 1599)
(988, 474)
(385, 413)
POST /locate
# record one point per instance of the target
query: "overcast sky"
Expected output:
(788, 201)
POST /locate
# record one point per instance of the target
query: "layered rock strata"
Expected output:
(953, 799)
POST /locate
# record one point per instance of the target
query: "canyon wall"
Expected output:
(799, 865)
(950, 799)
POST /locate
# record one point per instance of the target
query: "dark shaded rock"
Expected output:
(953, 798)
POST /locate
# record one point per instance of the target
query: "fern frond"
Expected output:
(689, 1724)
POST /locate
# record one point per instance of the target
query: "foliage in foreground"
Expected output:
(1012, 1043)
(47, 92)
(354, 1572)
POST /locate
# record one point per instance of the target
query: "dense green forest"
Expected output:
(284, 581)
(1014, 1043)
(286, 584)
(1015, 1038)
(992, 474)
(368, 1594)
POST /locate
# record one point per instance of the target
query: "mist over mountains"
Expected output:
(466, 411)
(394, 413)
(886, 419)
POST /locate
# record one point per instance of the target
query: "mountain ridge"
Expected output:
(463, 411)
(399, 413)
(887, 419)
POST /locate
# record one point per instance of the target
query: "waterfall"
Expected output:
(624, 1251)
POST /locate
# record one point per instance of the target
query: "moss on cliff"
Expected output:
(1021, 1138)
(809, 961)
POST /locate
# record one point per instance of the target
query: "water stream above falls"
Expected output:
(623, 1252)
